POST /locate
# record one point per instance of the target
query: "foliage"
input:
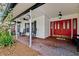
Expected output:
(5, 36)
(5, 39)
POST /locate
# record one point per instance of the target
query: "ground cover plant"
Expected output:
(5, 39)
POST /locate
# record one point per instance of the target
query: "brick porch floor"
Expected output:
(50, 46)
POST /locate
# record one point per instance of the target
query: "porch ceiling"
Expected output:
(49, 9)
(52, 9)
(21, 7)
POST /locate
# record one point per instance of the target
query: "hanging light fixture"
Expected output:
(59, 15)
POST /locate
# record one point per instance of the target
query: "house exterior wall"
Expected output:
(40, 26)
(43, 24)
(71, 16)
(47, 26)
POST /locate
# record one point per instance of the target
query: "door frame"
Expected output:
(76, 27)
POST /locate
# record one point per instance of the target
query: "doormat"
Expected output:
(60, 38)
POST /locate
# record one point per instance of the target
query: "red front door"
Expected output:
(62, 27)
(68, 28)
(56, 28)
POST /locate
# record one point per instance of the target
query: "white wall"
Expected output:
(71, 16)
(43, 25)
(47, 25)
(40, 27)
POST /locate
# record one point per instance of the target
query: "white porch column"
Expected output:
(16, 30)
(30, 39)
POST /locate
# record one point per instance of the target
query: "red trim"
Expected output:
(75, 30)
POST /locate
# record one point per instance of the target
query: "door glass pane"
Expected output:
(64, 26)
(58, 25)
(68, 25)
(74, 24)
(55, 25)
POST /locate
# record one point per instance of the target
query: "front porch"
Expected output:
(50, 46)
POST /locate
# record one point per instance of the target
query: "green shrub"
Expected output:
(5, 39)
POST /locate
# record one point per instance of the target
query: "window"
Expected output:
(55, 25)
(68, 25)
(58, 25)
(74, 24)
(64, 25)
(26, 27)
(18, 27)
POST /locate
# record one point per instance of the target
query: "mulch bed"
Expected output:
(18, 49)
